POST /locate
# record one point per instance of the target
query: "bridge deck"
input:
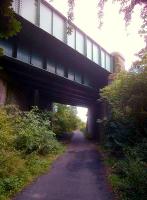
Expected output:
(44, 16)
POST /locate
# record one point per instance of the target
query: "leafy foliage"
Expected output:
(9, 25)
(129, 178)
(127, 8)
(126, 132)
(65, 120)
(28, 147)
(35, 134)
(127, 96)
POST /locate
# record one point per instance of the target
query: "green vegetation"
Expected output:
(28, 147)
(29, 143)
(9, 25)
(65, 120)
(126, 132)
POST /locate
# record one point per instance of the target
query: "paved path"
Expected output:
(77, 175)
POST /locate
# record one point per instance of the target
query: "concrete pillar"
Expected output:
(3, 92)
(118, 62)
(96, 113)
(36, 97)
(42, 101)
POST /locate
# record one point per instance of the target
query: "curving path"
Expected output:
(77, 175)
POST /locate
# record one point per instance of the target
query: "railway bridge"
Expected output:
(43, 64)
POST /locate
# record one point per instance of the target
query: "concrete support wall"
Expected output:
(3, 91)
(18, 96)
(96, 113)
(24, 98)
(43, 101)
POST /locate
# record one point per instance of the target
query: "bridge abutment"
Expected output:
(3, 91)
(96, 114)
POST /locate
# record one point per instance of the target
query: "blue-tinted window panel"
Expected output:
(51, 67)
(23, 54)
(15, 5)
(36, 60)
(71, 40)
(58, 27)
(45, 18)
(71, 74)
(86, 81)
(28, 10)
(7, 47)
(60, 70)
(102, 59)
(78, 77)
(96, 54)
(89, 49)
(108, 62)
(79, 42)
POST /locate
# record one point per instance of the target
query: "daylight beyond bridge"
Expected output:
(42, 64)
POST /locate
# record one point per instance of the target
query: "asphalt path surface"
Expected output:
(77, 175)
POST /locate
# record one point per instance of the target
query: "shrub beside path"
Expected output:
(77, 175)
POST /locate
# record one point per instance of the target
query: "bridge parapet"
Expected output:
(43, 15)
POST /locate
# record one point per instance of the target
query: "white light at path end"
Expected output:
(82, 113)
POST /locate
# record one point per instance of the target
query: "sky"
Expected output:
(113, 36)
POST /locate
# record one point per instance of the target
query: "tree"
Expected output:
(126, 7)
(139, 64)
(64, 119)
(9, 25)
(127, 99)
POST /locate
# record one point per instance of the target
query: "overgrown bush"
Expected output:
(126, 133)
(65, 120)
(120, 133)
(28, 147)
(35, 134)
(129, 178)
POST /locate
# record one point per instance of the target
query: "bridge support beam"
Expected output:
(96, 113)
(43, 102)
(3, 91)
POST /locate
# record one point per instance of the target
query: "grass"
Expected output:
(32, 166)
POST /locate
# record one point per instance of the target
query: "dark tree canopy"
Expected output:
(9, 25)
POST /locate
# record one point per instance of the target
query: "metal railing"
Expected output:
(43, 15)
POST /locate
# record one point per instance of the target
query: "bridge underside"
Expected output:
(27, 84)
(51, 86)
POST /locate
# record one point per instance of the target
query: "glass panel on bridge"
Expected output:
(70, 74)
(108, 62)
(15, 5)
(45, 18)
(96, 54)
(86, 81)
(71, 39)
(28, 10)
(79, 42)
(51, 67)
(60, 70)
(7, 47)
(23, 54)
(89, 49)
(58, 27)
(36, 60)
(102, 59)
(78, 77)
